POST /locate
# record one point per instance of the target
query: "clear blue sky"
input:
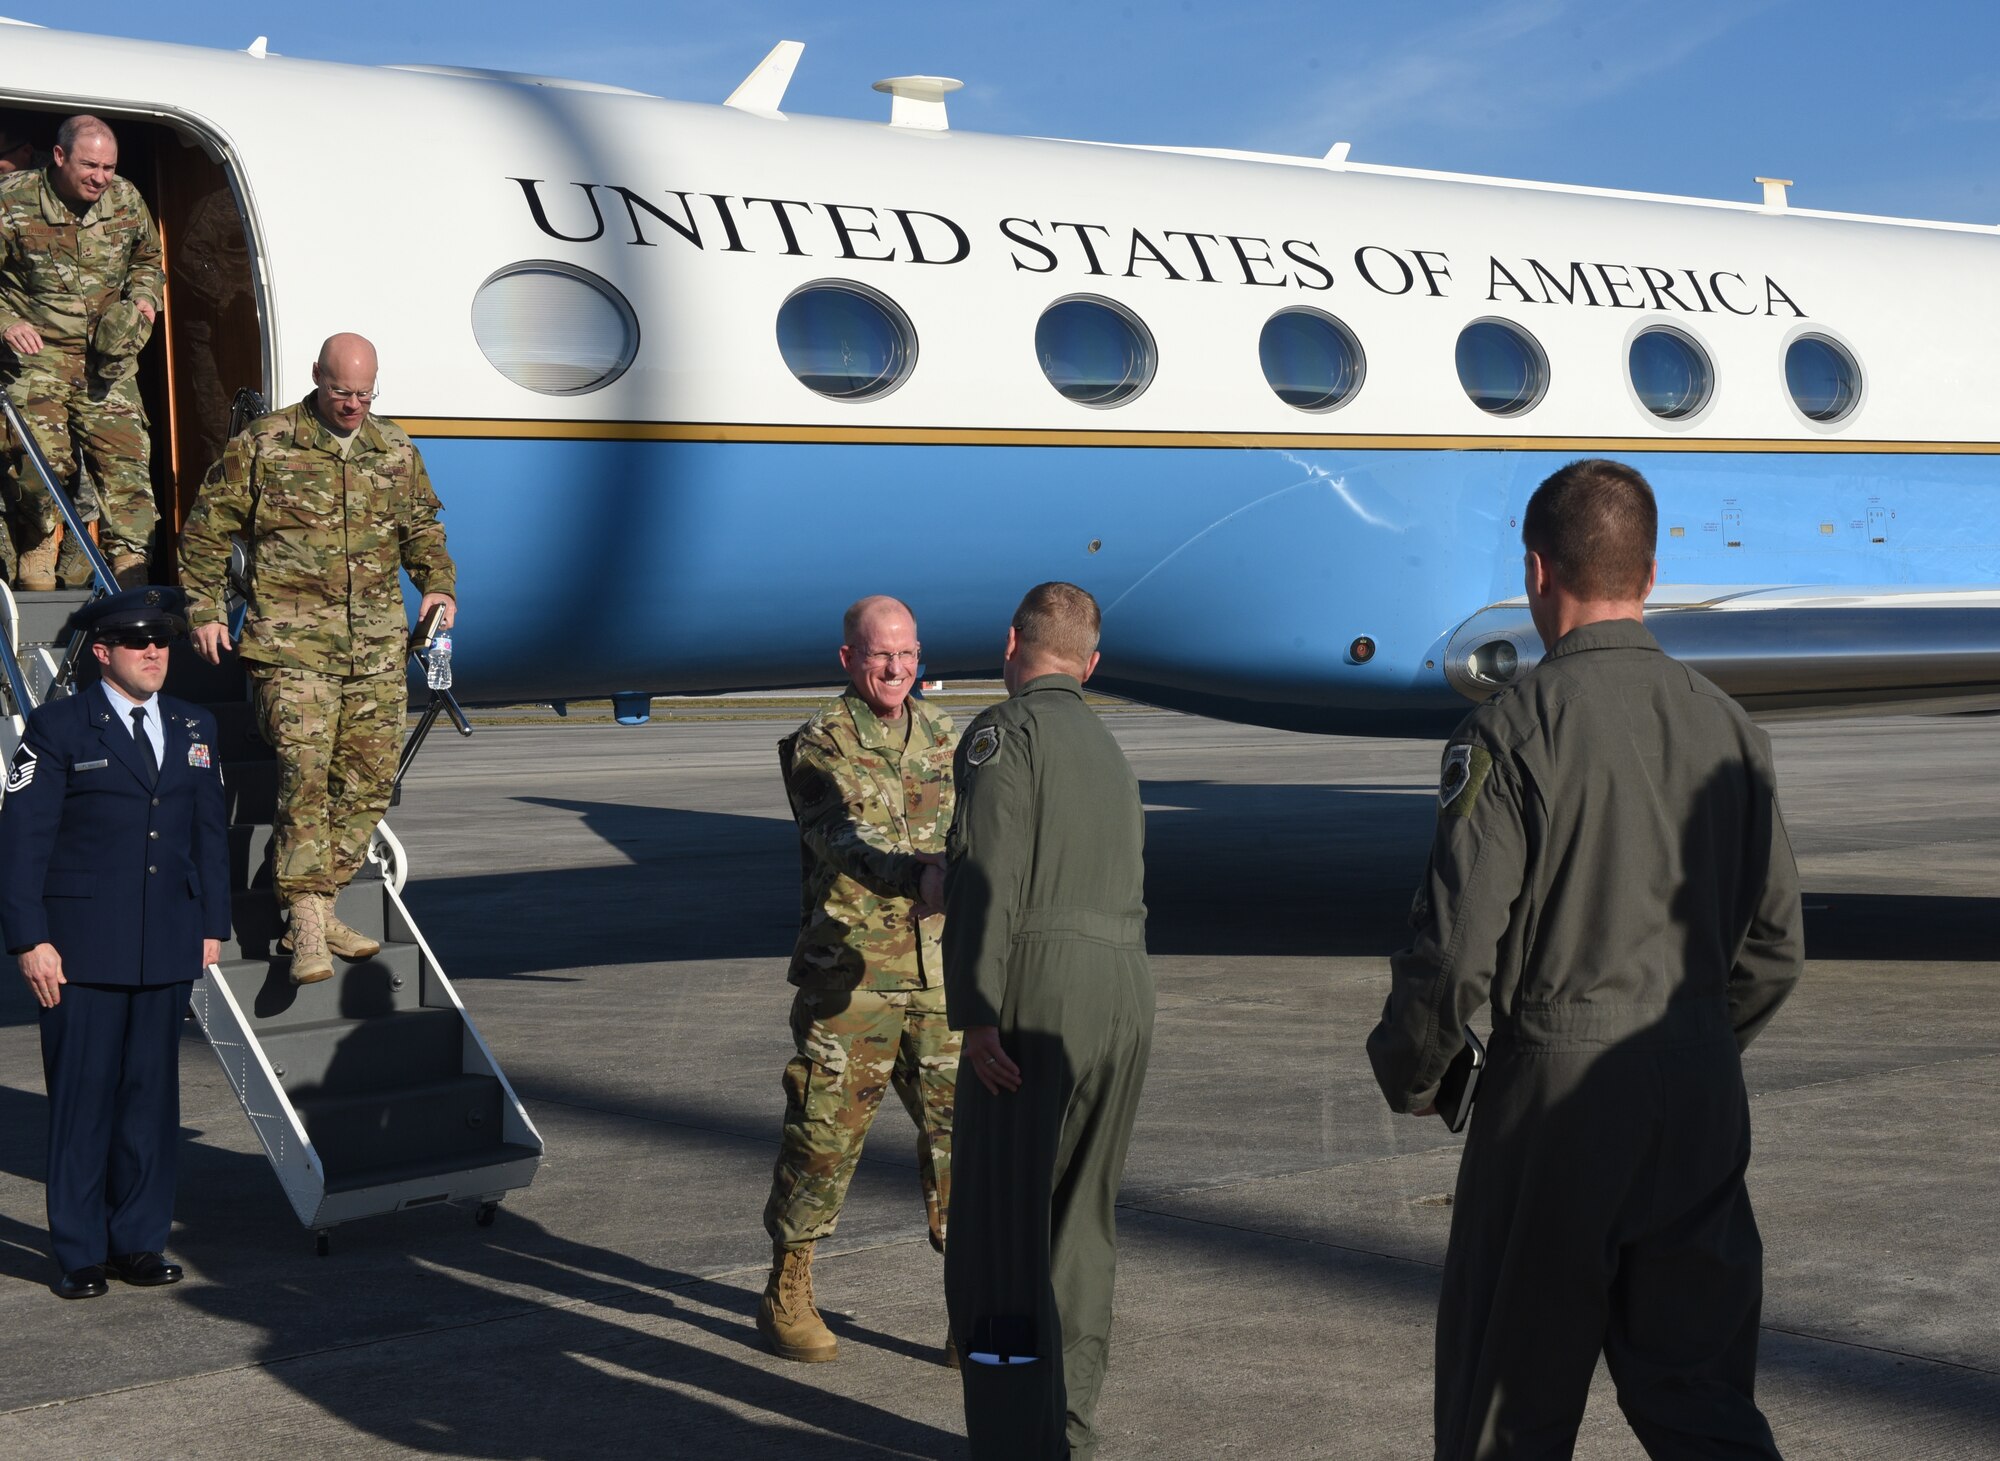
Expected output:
(1871, 107)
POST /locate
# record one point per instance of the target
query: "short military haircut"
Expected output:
(75, 129)
(1595, 525)
(1059, 621)
(858, 612)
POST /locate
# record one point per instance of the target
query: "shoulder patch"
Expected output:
(985, 741)
(1464, 775)
(21, 771)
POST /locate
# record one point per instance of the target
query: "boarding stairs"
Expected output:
(370, 1092)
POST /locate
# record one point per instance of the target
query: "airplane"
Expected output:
(690, 378)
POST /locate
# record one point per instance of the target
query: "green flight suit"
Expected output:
(1611, 870)
(1045, 938)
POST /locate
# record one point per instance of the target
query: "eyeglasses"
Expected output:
(141, 638)
(365, 398)
(882, 659)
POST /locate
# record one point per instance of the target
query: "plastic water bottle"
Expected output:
(437, 663)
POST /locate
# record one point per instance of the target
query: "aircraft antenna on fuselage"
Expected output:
(918, 101)
(763, 90)
(260, 48)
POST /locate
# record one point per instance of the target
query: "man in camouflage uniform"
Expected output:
(329, 501)
(869, 777)
(80, 271)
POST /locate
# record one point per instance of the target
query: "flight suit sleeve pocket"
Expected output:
(68, 883)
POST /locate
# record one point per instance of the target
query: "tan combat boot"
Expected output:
(786, 1318)
(306, 938)
(349, 943)
(72, 568)
(38, 566)
(130, 570)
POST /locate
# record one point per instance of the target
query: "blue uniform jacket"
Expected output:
(124, 877)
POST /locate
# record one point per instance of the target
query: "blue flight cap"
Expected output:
(151, 607)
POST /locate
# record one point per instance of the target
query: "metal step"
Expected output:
(325, 1059)
(43, 615)
(461, 1171)
(432, 1121)
(262, 984)
(256, 922)
(370, 1091)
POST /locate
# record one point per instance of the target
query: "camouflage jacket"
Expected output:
(59, 272)
(326, 534)
(867, 802)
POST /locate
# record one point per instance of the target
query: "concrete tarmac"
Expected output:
(616, 906)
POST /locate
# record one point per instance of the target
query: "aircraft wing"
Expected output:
(1787, 651)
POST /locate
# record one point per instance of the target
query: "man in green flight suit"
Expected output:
(1045, 972)
(869, 778)
(1611, 871)
(81, 283)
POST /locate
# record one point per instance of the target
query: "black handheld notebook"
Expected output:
(1461, 1083)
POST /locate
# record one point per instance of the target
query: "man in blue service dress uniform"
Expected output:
(114, 893)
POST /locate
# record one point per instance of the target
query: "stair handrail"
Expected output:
(441, 699)
(20, 695)
(100, 571)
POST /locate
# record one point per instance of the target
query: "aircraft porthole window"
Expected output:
(1824, 380)
(845, 340)
(1670, 372)
(554, 328)
(1310, 359)
(1093, 351)
(1501, 367)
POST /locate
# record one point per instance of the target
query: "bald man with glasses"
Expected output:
(869, 778)
(331, 502)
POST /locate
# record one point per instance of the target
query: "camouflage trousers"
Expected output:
(852, 1045)
(337, 739)
(78, 420)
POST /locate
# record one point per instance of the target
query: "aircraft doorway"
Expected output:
(210, 342)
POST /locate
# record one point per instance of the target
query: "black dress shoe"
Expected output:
(148, 1270)
(80, 1283)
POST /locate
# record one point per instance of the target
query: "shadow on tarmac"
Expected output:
(1232, 870)
(360, 1334)
(334, 1331)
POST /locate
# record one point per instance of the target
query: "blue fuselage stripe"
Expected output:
(1233, 578)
